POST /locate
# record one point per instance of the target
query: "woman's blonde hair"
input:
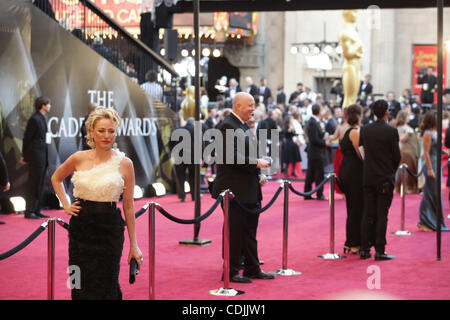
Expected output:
(97, 114)
(402, 118)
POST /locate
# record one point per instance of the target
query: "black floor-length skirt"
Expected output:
(96, 239)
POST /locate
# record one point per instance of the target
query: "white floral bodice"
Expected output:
(102, 183)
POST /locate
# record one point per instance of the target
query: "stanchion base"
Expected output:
(226, 292)
(285, 272)
(331, 256)
(195, 242)
(402, 233)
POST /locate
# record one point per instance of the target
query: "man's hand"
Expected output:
(22, 160)
(263, 163)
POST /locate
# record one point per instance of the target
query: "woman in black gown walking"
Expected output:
(351, 179)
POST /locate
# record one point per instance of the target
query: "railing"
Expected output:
(96, 29)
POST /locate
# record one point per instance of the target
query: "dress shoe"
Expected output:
(383, 256)
(321, 198)
(310, 198)
(260, 275)
(364, 255)
(40, 214)
(2, 222)
(238, 278)
(31, 215)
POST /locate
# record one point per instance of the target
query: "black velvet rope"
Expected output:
(416, 175)
(25, 243)
(190, 221)
(267, 206)
(140, 212)
(420, 173)
(309, 193)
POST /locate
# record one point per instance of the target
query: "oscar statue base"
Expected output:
(331, 256)
(226, 292)
(402, 233)
(286, 272)
(195, 242)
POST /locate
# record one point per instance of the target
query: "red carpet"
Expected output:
(188, 273)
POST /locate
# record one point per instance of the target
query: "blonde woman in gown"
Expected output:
(96, 232)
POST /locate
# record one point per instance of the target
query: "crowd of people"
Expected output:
(309, 125)
(372, 138)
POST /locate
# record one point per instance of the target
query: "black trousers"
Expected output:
(35, 188)
(315, 173)
(243, 243)
(180, 170)
(377, 201)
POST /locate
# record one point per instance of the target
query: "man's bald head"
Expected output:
(244, 105)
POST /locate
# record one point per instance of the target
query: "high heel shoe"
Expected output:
(351, 250)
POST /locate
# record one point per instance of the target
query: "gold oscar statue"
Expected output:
(188, 104)
(353, 50)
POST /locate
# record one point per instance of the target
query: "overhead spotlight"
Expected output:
(238, 36)
(305, 50)
(19, 203)
(160, 190)
(206, 52)
(138, 192)
(162, 52)
(184, 52)
(216, 53)
(339, 50)
(316, 50)
(294, 50)
(328, 49)
(193, 52)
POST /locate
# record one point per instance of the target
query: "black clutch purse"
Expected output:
(133, 270)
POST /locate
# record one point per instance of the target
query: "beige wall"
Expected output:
(388, 37)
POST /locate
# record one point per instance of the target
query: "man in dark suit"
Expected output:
(35, 154)
(242, 177)
(231, 92)
(4, 181)
(189, 166)
(381, 152)
(251, 88)
(264, 91)
(429, 86)
(393, 105)
(366, 88)
(316, 150)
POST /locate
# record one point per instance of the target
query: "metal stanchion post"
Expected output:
(285, 271)
(51, 259)
(403, 173)
(331, 255)
(151, 250)
(226, 290)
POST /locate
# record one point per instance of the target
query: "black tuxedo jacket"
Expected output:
(316, 144)
(381, 153)
(253, 90)
(368, 89)
(266, 95)
(34, 149)
(3, 172)
(227, 93)
(241, 179)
